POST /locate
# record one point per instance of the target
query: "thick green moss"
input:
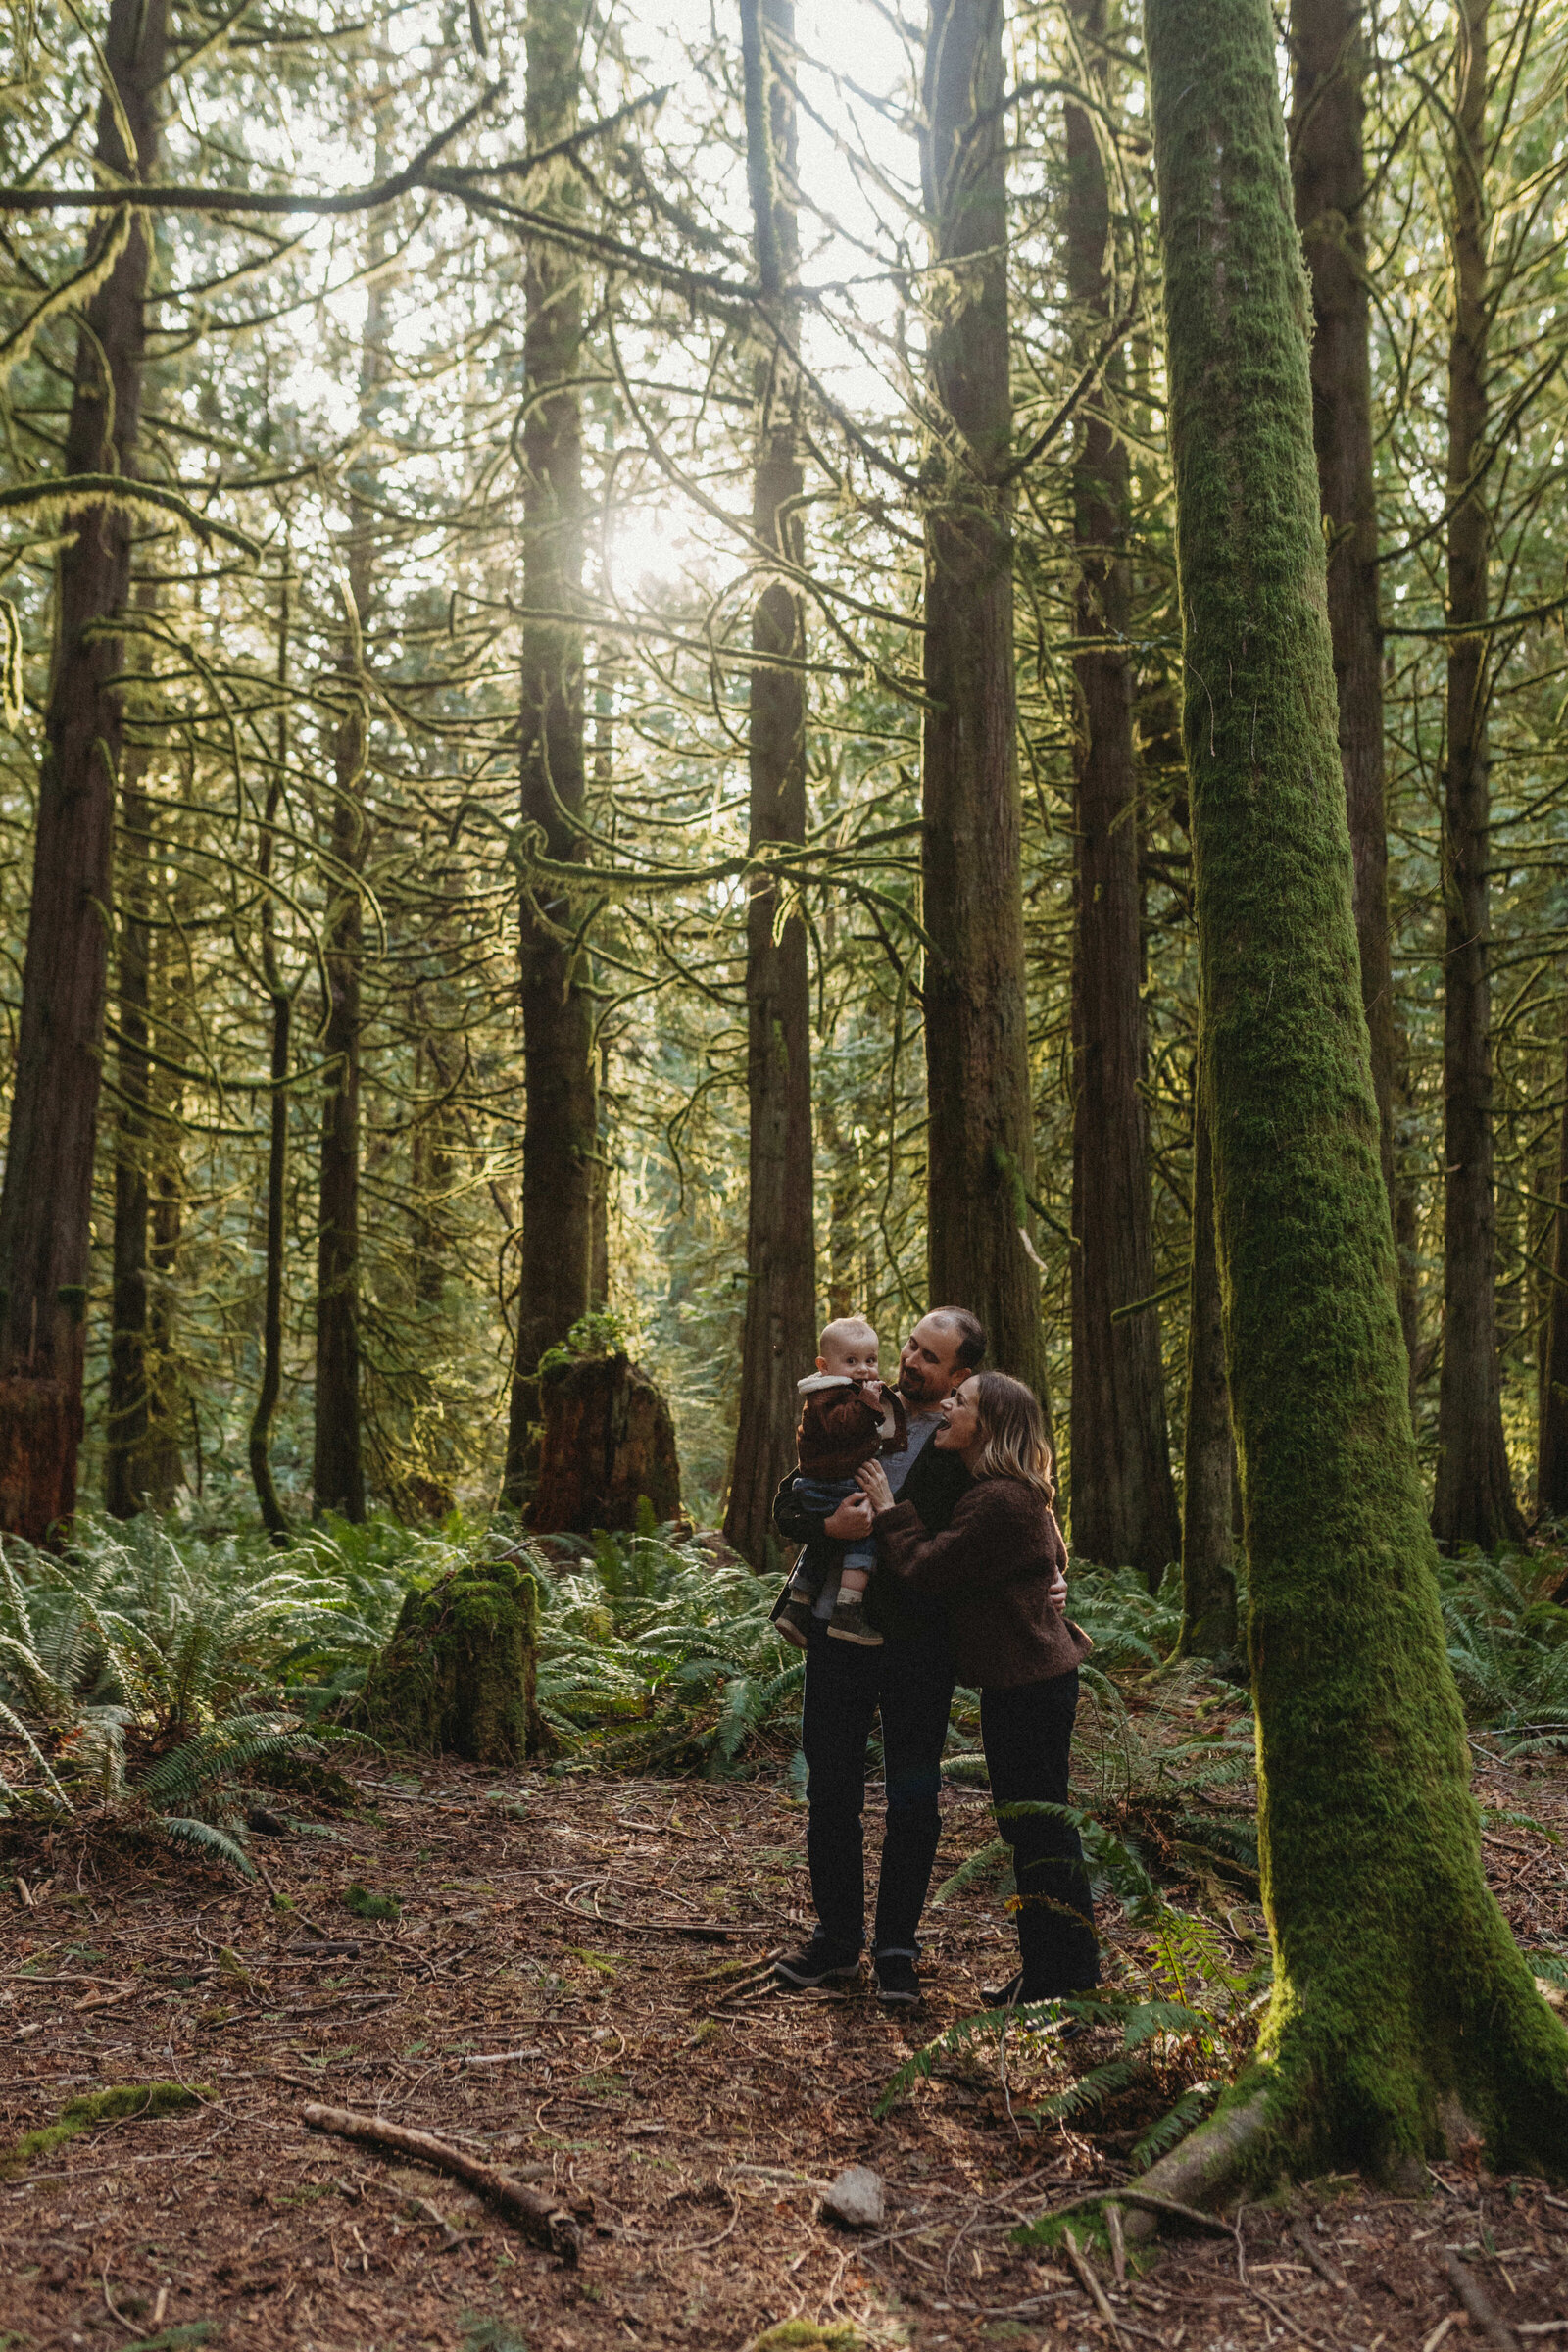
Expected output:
(457, 1675)
(1402, 2011)
(115, 2105)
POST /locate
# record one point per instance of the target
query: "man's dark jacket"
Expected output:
(934, 1483)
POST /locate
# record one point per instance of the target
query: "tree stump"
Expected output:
(457, 1675)
(608, 1441)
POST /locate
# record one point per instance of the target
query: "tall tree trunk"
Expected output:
(980, 1146)
(126, 1416)
(338, 1469)
(1474, 1502)
(46, 1201)
(1551, 1447)
(1123, 1499)
(1381, 2037)
(281, 1001)
(1208, 1573)
(780, 1336)
(561, 1127)
(1329, 174)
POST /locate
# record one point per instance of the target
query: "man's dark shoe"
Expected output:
(816, 1963)
(1003, 1996)
(896, 1984)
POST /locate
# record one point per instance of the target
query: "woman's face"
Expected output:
(961, 1419)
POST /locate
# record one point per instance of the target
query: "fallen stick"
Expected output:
(540, 2218)
(1089, 2283)
(1480, 2306)
(1324, 2268)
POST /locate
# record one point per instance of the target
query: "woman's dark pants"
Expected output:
(1027, 1735)
(910, 1685)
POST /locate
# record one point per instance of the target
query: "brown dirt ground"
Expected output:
(693, 2121)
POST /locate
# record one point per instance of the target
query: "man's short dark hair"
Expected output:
(970, 1330)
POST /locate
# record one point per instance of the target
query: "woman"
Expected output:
(993, 1567)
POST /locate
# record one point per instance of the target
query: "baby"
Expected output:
(848, 1416)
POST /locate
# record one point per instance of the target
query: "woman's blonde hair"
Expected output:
(1014, 1431)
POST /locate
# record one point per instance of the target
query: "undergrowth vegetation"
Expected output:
(159, 1669)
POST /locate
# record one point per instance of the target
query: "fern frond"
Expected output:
(1188, 2112)
(1091, 2090)
(987, 1862)
(209, 1839)
(36, 1753)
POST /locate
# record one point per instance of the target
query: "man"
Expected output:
(909, 1678)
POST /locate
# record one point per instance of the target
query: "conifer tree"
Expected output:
(46, 1202)
(980, 1148)
(1403, 2013)
(779, 1338)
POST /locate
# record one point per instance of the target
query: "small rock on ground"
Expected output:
(856, 2198)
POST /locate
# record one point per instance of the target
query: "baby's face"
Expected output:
(851, 1353)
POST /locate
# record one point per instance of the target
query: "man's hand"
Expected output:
(1057, 1593)
(852, 1521)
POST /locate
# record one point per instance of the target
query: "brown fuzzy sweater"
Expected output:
(839, 1427)
(993, 1567)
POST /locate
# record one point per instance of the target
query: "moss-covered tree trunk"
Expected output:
(1401, 2001)
(1209, 1570)
(780, 1335)
(1328, 67)
(1473, 1501)
(561, 1129)
(1123, 1499)
(980, 1160)
(1551, 1441)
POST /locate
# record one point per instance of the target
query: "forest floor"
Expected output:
(566, 1990)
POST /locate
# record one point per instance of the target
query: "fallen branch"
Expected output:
(540, 2218)
(1089, 2282)
(1479, 2306)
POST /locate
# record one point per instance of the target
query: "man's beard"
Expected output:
(913, 1386)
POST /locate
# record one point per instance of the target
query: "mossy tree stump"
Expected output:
(607, 1441)
(457, 1675)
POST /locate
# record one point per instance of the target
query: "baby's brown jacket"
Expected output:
(839, 1430)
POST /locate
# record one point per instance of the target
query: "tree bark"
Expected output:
(1329, 175)
(126, 1415)
(780, 1335)
(1400, 2002)
(46, 1201)
(1474, 1502)
(980, 1144)
(1209, 1572)
(1551, 1447)
(281, 1001)
(1123, 1499)
(561, 1129)
(338, 1468)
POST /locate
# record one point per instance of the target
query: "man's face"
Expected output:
(929, 1366)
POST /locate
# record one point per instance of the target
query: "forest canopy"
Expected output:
(517, 458)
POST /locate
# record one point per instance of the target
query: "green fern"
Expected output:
(1188, 2112)
(208, 1838)
(990, 1862)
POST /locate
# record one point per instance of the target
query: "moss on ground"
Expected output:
(457, 1675)
(120, 2104)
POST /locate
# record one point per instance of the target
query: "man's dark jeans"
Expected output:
(846, 1682)
(1027, 1735)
